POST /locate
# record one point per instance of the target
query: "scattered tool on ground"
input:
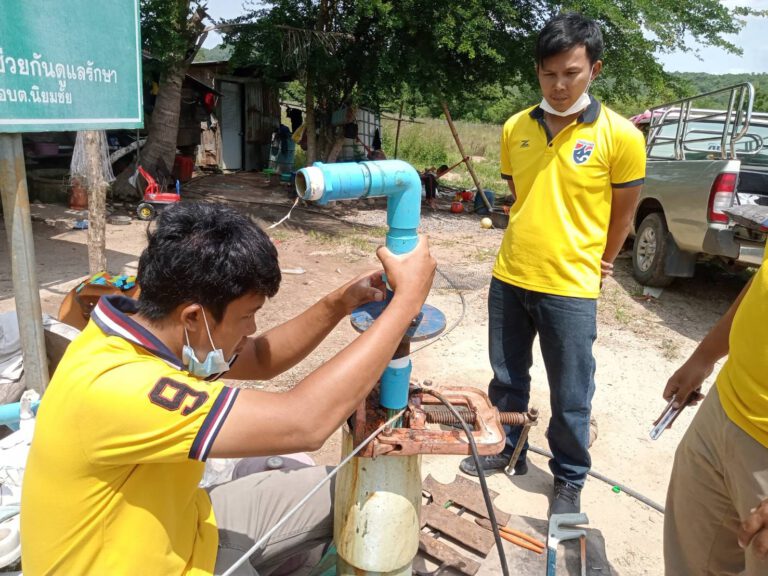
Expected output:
(533, 416)
(516, 537)
(559, 531)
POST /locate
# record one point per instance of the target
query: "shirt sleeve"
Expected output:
(506, 161)
(166, 418)
(628, 162)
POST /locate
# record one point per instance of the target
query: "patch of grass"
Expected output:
(281, 235)
(360, 242)
(670, 349)
(622, 315)
(431, 144)
(484, 254)
(321, 238)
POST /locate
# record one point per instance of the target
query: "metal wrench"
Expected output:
(558, 533)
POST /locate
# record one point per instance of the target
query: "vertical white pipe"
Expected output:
(376, 514)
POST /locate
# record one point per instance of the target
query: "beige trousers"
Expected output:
(249, 506)
(720, 473)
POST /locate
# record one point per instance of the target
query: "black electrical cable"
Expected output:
(480, 473)
(634, 494)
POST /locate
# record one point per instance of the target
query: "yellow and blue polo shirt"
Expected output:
(111, 484)
(743, 380)
(558, 225)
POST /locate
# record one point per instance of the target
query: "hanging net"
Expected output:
(79, 168)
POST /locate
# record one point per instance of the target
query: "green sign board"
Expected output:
(71, 65)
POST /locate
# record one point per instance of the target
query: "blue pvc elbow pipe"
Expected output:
(400, 183)
(395, 179)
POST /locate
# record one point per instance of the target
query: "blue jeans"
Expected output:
(567, 328)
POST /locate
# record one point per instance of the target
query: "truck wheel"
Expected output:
(649, 252)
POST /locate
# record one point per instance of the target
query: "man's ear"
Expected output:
(191, 317)
(597, 67)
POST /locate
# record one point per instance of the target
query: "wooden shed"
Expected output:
(238, 132)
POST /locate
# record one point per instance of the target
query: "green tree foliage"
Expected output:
(169, 31)
(427, 50)
(700, 83)
(219, 53)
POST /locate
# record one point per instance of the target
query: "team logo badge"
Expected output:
(582, 151)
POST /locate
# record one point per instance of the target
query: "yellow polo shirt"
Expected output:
(558, 225)
(111, 484)
(743, 380)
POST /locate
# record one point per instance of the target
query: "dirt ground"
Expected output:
(641, 341)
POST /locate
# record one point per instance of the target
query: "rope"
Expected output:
(304, 500)
(284, 218)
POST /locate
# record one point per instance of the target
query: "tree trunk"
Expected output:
(97, 201)
(163, 131)
(311, 130)
(338, 143)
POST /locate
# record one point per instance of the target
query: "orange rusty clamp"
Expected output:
(415, 437)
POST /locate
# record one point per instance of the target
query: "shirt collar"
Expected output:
(588, 116)
(111, 314)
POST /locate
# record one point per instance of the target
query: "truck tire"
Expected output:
(649, 252)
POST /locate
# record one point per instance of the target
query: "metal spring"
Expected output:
(443, 416)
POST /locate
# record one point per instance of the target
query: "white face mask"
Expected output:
(214, 362)
(581, 102)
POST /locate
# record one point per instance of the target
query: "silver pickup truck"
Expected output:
(706, 187)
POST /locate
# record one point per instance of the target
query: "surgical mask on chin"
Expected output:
(214, 362)
(581, 103)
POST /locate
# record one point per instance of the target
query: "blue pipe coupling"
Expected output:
(395, 179)
(394, 384)
(10, 414)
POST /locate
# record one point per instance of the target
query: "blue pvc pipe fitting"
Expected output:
(395, 179)
(394, 384)
(10, 414)
(400, 183)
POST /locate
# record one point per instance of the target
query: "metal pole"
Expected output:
(467, 160)
(18, 225)
(399, 121)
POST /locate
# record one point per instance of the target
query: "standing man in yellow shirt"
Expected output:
(715, 522)
(575, 169)
(135, 408)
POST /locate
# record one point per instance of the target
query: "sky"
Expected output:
(713, 60)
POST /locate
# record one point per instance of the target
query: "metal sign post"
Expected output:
(18, 225)
(66, 66)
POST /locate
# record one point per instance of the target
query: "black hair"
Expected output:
(566, 31)
(205, 254)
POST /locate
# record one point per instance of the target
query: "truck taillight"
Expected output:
(721, 196)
